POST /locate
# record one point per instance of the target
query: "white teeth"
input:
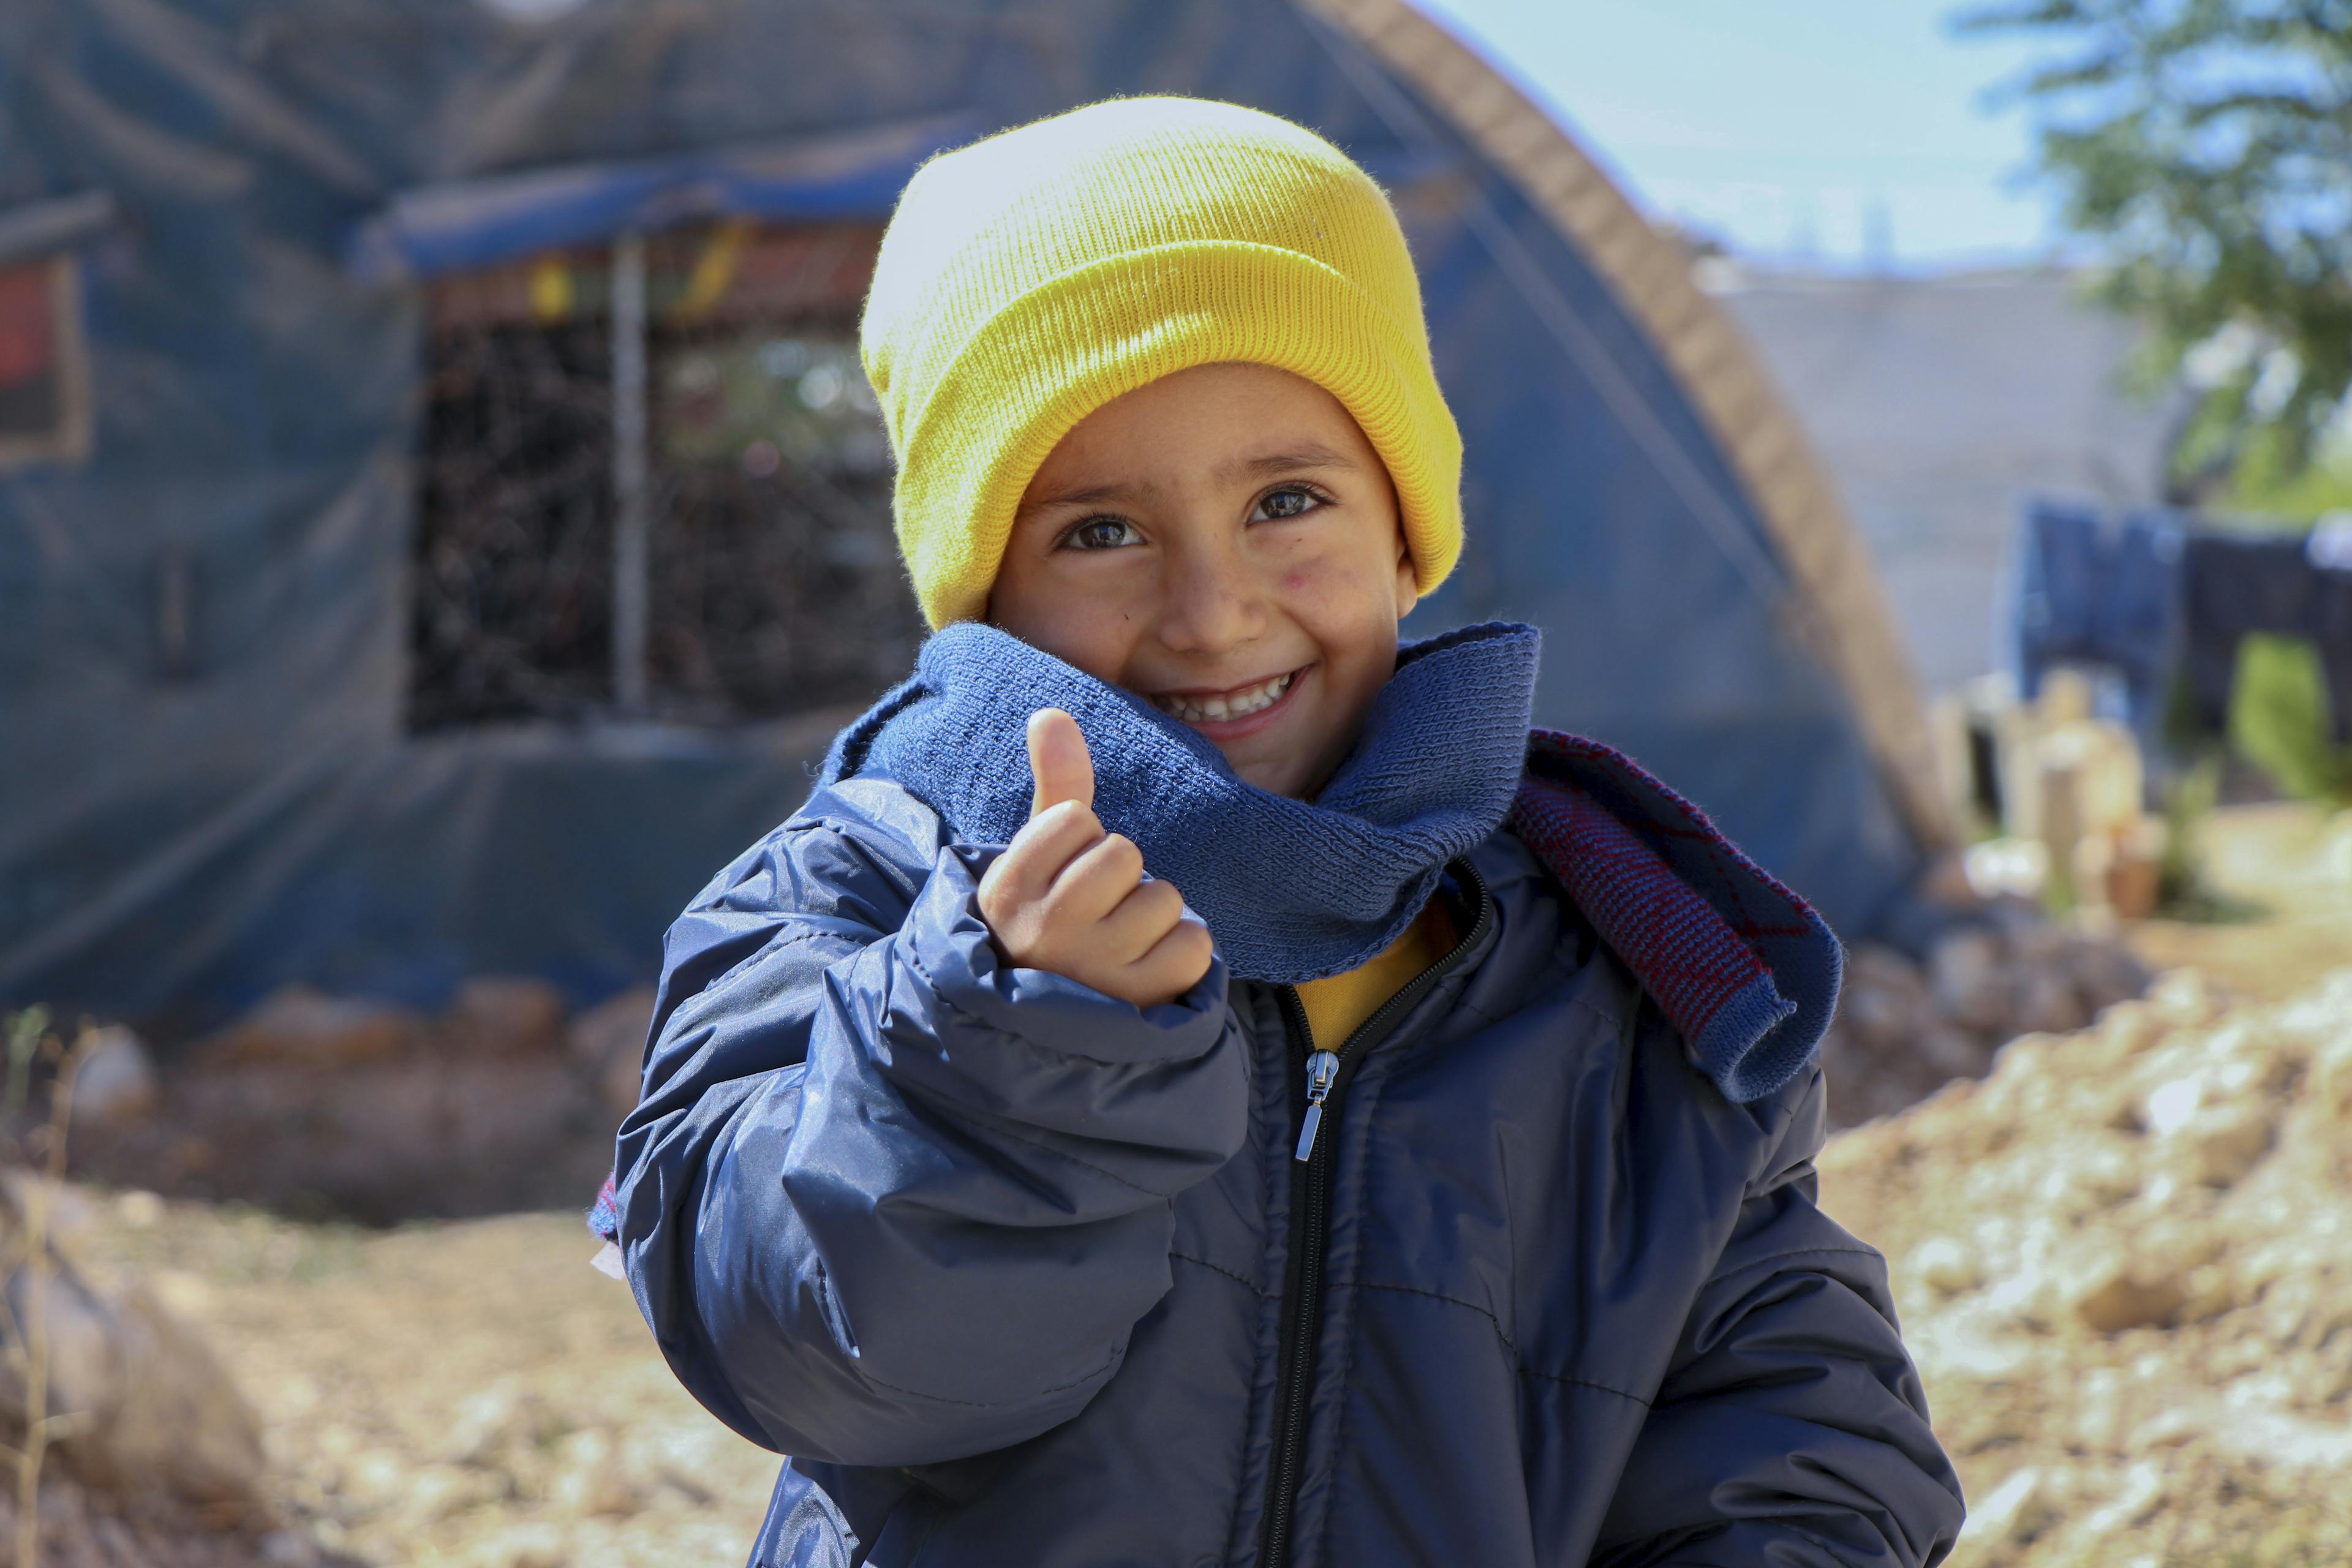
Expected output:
(1239, 705)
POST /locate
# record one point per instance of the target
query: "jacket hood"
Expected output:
(1743, 968)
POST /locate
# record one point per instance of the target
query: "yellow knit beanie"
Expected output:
(1029, 278)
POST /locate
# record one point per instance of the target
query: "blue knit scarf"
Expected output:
(1291, 889)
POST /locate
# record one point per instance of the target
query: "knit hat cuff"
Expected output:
(1063, 349)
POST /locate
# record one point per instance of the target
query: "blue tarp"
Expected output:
(480, 223)
(210, 789)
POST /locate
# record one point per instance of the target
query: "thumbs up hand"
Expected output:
(1069, 898)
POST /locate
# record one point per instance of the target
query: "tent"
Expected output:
(320, 662)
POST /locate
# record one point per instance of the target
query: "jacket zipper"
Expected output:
(1310, 1180)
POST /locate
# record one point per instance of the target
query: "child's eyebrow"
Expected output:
(1092, 495)
(1308, 455)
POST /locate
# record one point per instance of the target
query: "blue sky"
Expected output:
(1837, 131)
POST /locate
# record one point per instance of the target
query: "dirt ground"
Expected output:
(2123, 1266)
(468, 1392)
(473, 1393)
(2289, 869)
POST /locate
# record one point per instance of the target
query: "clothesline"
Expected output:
(2165, 600)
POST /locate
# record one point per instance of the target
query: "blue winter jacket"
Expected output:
(1023, 1277)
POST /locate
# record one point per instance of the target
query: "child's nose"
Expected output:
(1212, 599)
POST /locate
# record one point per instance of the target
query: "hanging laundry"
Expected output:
(2329, 550)
(2238, 585)
(2100, 590)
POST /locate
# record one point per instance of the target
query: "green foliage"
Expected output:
(2182, 891)
(2208, 145)
(2279, 720)
(2267, 481)
(24, 1032)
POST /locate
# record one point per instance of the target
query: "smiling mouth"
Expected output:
(1238, 703)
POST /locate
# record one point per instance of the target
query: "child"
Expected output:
(1148, 1107)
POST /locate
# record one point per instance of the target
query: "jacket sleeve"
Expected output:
(1791, 1428)
(885, 1200)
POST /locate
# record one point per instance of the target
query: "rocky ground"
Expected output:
(467, 1393)
(2124, 1266)
(1904, 1028)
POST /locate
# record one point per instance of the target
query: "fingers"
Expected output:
(1135, 926)
(1058, 761)
(1025, 873)
(1152, 950)
(1091, 886)
(1173, 966)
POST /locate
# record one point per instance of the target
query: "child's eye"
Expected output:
(1099, 533)
(1290, 500)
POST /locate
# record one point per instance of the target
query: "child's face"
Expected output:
(1224, 541)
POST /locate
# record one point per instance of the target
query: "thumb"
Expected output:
(1059, 761)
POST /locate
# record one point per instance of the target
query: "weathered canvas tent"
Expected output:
(437, 527)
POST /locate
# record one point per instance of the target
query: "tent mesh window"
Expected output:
(772, 582)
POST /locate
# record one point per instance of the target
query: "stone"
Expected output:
(69, 1209)
(287, 1549)
(592, 1481)
(1946, 1266)
(115, 1080)
(2186, 996)
(2125, 1294)
(2228, 1142)
(2036, 943)
(2126, 1028)
(614, 1493)
(2331, 1078)
(1966, 969)
(514, 1014)
(2279, 1440)
(608, 1042)
(2139, 1496)
(1885, 1001)
(530, 1545)
(620, 1084)
(153, 1411)
(503, 1419)
(139, 1209)
(298, 1026)
(2248, 1060)
(2099, 1413)
(2046, 1001)
(2017, 1510)
(2211, 1291)
(180, 1421)
(1949, 1053)
(2106, 1175)
(2171, 1107)
(435, 1492)
(2169, 1427)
